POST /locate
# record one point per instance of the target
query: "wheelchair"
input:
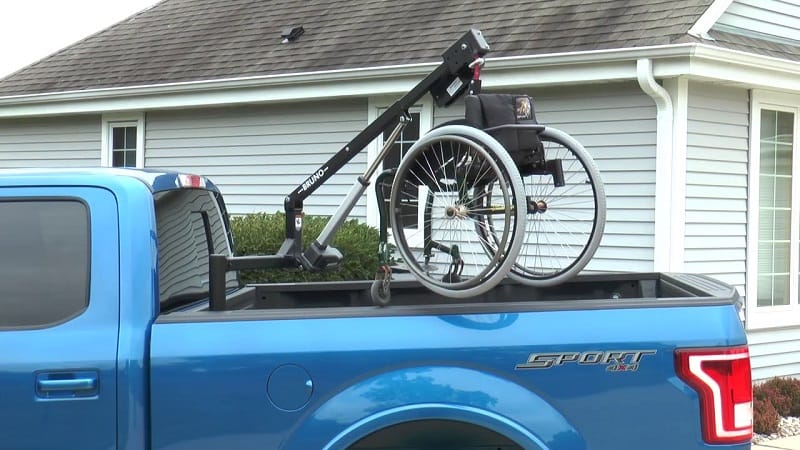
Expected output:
(502, 195)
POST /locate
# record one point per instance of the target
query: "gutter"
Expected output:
(507, 62)
(584, 66)
(694, 59)
(662, 261)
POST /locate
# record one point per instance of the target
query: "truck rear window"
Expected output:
(44, 262)
(190, 226)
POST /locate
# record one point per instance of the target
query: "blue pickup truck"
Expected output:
(107, 341)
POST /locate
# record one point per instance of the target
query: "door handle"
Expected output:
(67, 384)
(77, 384)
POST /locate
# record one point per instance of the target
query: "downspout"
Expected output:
(664, 176)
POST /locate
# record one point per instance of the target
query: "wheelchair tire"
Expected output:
(446, 188)
(564, 224)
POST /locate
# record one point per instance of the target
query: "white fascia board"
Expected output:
(744, 68)
(575, 73)
(572, 67)
(692, 59)
(217, 94)
(709, 18)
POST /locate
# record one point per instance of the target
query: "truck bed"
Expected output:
(596, 291)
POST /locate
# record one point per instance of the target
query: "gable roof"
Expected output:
(191, 40)
(767, 47)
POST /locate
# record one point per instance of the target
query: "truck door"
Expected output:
(59, 318)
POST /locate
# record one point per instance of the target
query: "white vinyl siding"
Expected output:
(446, 114)
(716, 182)
(774, 353)
(258, 154)
(769, 19)
(616, 122)
(50, 142)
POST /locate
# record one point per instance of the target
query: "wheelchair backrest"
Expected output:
(491, 112)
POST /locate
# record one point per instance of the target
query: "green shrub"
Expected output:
(766, 419)
(263, 234)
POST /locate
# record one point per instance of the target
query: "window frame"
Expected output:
(111, 121)
(762, 317)
(376, 106)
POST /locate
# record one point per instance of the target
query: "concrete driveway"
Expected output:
(789, 443)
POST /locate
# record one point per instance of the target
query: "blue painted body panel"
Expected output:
(209, 379)
(112, 335)
(325, 383)
(85, 344)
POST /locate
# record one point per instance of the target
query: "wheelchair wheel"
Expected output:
(565, 223)
(444, 189)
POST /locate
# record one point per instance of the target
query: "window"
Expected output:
(123, 146)
(774, 220)
(123, 141)
(422, 119)
(44, 262)
(190, 226)
(407, 138)
(775, 208)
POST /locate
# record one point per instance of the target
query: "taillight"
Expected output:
(721, 377)
(191, 181)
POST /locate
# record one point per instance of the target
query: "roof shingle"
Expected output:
(190, 40)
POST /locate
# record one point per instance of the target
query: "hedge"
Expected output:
(263, 234)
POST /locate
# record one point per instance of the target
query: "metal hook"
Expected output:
(480, 61)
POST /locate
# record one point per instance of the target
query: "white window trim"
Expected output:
(375, 106)
(760, 317)
(112, 120)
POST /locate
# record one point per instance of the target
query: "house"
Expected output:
(689, 107)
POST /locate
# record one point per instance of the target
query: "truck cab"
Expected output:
(81, 276)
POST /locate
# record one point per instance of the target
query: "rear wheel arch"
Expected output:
(415, 427)
(471, 398)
